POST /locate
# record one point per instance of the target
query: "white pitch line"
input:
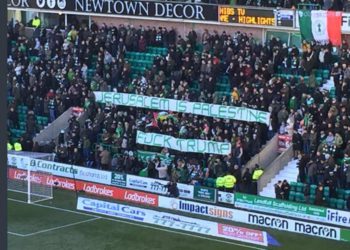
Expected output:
(16, 234)
(60, 227)
(140, 225)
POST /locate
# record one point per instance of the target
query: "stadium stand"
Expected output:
(54, 70)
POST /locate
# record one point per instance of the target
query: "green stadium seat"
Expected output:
(340, 193)
(318, 73)
(319, 80)
(23, 125)
(326, 192)
(293, 186)
(340, 204)
(325, 74)
(291, 196)
(332, 202)
(312, 199)
(299, 197)
(346, 194)
(313, 189)
(300, 187)
(211, 182)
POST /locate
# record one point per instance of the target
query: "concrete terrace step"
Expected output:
(289, 173)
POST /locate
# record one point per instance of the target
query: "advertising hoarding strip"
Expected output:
(246, 217)
(292, 209)
(190, 207)
(87, 187)
(197, 108)
(173, 221)
(270, 204)
(245, 201)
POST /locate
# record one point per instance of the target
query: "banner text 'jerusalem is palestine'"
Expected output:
(184, 145)
(197, 108)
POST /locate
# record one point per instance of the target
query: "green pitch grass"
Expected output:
(57, 225)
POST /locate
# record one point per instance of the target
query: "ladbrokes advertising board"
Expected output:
(87, 187)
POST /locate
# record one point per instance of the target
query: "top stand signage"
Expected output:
(151, 9)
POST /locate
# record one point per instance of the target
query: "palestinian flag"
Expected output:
(320, 25)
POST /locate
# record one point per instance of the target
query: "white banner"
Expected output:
(225, 197)
(251, 218)
(173, 221)
(157, 186)
(197, 108)
(184, 145)
(319, 25)
(60, 169)
(345, 22)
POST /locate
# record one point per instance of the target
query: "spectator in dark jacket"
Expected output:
(279, 191)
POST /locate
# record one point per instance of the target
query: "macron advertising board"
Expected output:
(293, 209)
(246, 217)
(173, 221)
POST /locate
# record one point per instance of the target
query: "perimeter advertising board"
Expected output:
(245, 201)
(173, 221)
(157, 186)
(293, 209)
(236, 215)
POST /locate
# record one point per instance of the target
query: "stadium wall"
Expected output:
(182, 28)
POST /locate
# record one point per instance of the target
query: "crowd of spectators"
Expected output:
(49, 72)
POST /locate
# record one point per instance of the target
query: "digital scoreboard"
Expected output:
(263, 17)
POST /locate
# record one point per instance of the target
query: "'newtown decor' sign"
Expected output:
(197, 108)
(148, 9)
(184, 145)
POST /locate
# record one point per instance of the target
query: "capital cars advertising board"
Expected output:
(173, 221)
(112, 209)
(156, 186)
(148, 9)
(251, 218)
